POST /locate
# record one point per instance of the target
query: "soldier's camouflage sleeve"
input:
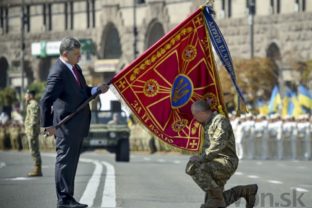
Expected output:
(219, 137)
(32, 125)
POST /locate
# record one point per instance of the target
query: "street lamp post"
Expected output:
(135, 31)
(22, 64)
(252, 11)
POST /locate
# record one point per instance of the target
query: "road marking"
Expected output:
(147, 158)
(299, 189)
(176, 161)
(161, 160)
(109, 193)
(238, 173)
(2, 164)
(19, 179)
(253, 176)
(275, 181)
(89, 194)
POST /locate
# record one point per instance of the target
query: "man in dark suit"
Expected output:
(66, 89)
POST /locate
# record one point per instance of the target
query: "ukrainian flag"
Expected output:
(291, 106)
(305, 97)
(275, 100)
(263, 107)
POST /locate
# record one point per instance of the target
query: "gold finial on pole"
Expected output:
(209, 3)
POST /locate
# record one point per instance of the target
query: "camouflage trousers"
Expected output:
(210, 175)
(34, 149)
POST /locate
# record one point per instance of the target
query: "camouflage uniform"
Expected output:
(2, 136)
(219, 159)
(14, 132)
(217, 164)
(32, 130)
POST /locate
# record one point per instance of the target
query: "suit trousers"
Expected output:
(67, 157)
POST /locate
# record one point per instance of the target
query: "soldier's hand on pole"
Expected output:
(104, 88)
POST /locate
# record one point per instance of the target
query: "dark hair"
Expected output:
(69, 44)
(201, 105)
(31, 92)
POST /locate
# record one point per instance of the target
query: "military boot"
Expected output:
(36, 171)
(248, 192)
(214, 199)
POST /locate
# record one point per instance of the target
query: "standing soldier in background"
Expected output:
(15, 138)
(2, 136)
(32, 130)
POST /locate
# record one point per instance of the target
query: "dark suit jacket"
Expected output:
(64, 95)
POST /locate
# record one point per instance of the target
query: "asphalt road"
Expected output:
(148, 181)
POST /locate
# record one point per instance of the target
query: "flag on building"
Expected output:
(160, 85)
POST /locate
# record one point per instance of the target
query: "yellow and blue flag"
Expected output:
(305, 97)
(275, 101)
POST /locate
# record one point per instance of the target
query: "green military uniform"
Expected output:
(217, 164)
(14, 132)
(2, 136)
(219, 159)
(32, 130)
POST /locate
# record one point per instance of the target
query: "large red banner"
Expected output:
(161, 85)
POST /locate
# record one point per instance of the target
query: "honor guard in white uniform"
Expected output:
(250, 136)
(239, 133)
(304, 135)
(276, 133)
(290, 132)
(261, 131)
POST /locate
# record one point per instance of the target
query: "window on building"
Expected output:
(27, 18)
(275, 6)
(140, 1)
(300, 5)
(71, 13)
(226, 7)
(93, 12)
(4, 19)
(1, 18)
(88, 13)
(47, 16)
(66, 15)
(251, 6)
(50, 17)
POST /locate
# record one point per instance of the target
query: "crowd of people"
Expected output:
(261, 137)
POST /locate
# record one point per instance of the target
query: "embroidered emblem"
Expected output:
(179, 125)
(151, 88)
(182, 90)
(189, 53)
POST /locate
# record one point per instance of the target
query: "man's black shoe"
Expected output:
(72, 205)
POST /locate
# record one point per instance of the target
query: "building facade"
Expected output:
(113, 34)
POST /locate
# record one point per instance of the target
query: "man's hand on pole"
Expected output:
(50, 131)
(104, 88)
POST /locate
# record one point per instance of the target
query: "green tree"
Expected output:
(7, 99)
(256, 78)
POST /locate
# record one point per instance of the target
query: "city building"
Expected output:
(113, 33)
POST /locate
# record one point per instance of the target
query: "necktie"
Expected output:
(77, 78)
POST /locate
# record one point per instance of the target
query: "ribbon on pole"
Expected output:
(220, 47)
